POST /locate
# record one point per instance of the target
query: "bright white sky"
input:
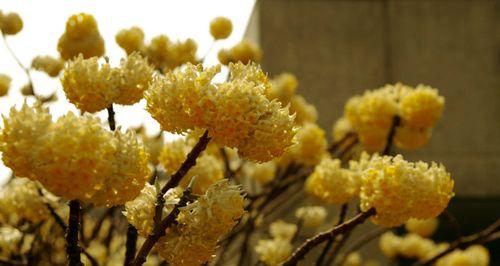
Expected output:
(44, 22)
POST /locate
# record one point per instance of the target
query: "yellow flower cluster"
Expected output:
(352, 259)
(4, 84)
(276, 250)
(10, 23)
(371, 115)
(160, 52)
(201, 225)
(424, 228)
(221, 28)
(263, 173)
(304, 112)
(331, 183)
(74, 157)
(341, 128)
(20, 197)
(245, 52)
(475, 255)
(48, 64)
(208, 168)
(311, 216)
(273, 251)
(400, 190)
(408, 246)
(236, 113)
(153, 145)
(93, 88)
(309, 148)
(81, 37)
(10, 238)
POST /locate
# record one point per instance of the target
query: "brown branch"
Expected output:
(176, 178)
(342, 214)
(453, 222)
(464, 242)
(396, 121)
(159, 229)
(111, 117)
(131, 245)
(72, 248)
(309, 244)
(335, 145)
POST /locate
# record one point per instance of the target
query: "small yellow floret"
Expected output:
(424, 228)
(311, 216)
(245, 52)
(48, 64)
(81, 37)
(4, 84)
(10, 23)
(422, 107)
(273, 251)
(130, 39)
(221, 28)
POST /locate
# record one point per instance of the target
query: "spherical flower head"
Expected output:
(48, 64)
(89, 86)
(20, 134)
(310, 145)
(167, 55)
(273, 251)
(389, 244)
(140, 211)
(330, 183)
(129, 173)
(282, 230)
(283, 87)
(422, 107)
(81, 37)
(182, 99)
(400, 190)
(304, 112)
(341, 128)
(221, 28)
(415, 247)
(135, 75)
(262, 173)
(208, 170)
(424, 228)
(130, 40)
(20, 196)
(245, 52)
(311, 216)
(10, 23)
(352, 259)
(410, 138)
(202, 224)
(4, 84)
(181, 53)
(224, 56)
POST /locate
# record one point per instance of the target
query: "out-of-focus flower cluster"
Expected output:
(276, 250)
(74, 157)
(81, 37)
(4, 84)
(10, 23)
(372, 116)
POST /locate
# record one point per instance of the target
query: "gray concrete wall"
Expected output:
(339, 48)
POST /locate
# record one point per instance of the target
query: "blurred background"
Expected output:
(336, 49)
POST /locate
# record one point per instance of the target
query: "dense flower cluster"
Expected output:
(20, 197)
(48, 64)
(311, 216)
(4, 84)
(221, 28)
(81, 37)
(262, 173)
(424, 228)
(236, 113)
(400, 190)
(245, 52)
(201, 225)
(74, 157)
(331, 183)
(153, 145)
(282, 230)
(161, 52)
(372, 115)
(10, 23)
(92, 87)
(475, 255)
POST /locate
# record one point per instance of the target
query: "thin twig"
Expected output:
(176, 178)
(131, 245)
(341, 218)
(388, 146)
(72, 248)
(464, 242)
(309, 244)
(111, 117)
(159, 229)
(452, 220)
(21, 65)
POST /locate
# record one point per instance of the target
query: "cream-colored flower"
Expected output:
(424, 228)
(311, 216)
(282, 230)
(422, 107)
(263, 173)
(273, 251)
(283, 87)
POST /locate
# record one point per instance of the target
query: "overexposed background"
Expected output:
(44, 22)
